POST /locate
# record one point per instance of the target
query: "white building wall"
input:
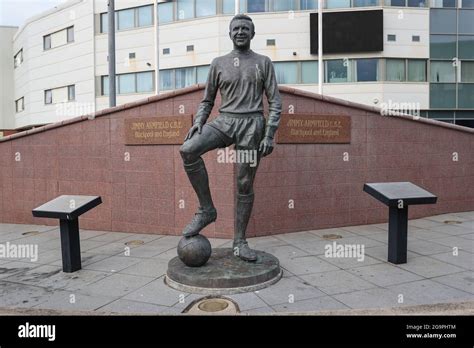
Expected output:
(7, 95)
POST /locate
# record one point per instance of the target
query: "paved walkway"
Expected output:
(439, 270)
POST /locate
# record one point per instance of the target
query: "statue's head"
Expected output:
(241, 31)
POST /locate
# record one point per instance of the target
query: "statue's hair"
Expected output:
(243, 17)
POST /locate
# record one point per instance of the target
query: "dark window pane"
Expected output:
(284, 5)
(442, 95)
(466, 47)
(308, 4)
(416, 3)
(47, 42)
(185, 77)
(365, 3)
(439, 115)
(442, 72)
(127, 83)
(104, 22)
(443, 3)
(105, 85)
(228, 6)
(255, 5)
(145, 82)
(468, 3)
(395, 69)
(202, 72)
(443, 46)
(70, 34)
(367, 69)
(337, 71)
(394, 2)
(309, 72)
(48, 96)
(466, 95)
(443, 21)
(165, 12)
(71, 92)
(467, 71)
(466, 22)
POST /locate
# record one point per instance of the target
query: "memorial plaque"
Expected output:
(169, 130)
(314, 129)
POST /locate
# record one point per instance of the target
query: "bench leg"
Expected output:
(70, 246)
(397, 235)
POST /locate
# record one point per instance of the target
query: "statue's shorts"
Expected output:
(246, 131)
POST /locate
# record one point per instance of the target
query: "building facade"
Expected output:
(422, 61)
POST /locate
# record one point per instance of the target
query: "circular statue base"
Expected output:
(224, 274)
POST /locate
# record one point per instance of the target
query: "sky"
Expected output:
(16, 12)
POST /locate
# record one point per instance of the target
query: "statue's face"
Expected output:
(241, 33)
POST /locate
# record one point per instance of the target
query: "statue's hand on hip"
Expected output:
(266, 146)
(197, 127)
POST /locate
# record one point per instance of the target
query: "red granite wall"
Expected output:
(146, 193)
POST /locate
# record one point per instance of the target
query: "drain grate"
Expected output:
(30, 233)
(135, 242)
(452, 222)
(332, 236)
(212, 305)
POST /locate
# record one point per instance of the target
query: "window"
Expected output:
(466, 22)
(338, 3)
(364, 3)
(47, 42)
(466, 47)
(18, 58)
(416, 70)
(48, 96)
(284, 5)
(416, 3)
(443, 46)
(205, 8)
(400, 3)
(271, 42)
(415, 38)
(202, 72)
(166, 79)
(467, 71)
(189, 48)
(442, 95)
(443, 21)
(443, 3)
(228, 6)
(20, 104)
(185, 77)
(166, 51)
(70, 34)
(132, 55)
(286, 72)
(337, 70)
(126, 83)
(395, 69)
(126, 19)
(104, 22)
(366, 70)
(140, 82)
(185, 9)
(255, 6)
(468, 3)
(71, 92)
(58, 38)
(165, 12)
(442, 72)
(466, 95)
(391, 37)
(145, 16)
(309, 72)
(308, 4)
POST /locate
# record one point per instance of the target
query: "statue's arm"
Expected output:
(207, 103)
(274, 100)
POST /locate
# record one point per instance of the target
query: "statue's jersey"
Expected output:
(242, 78)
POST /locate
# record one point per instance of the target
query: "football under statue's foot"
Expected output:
(200, 220)
(243, 251)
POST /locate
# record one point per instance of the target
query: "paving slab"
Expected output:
(123, 306)
(424, 223)
(381, 253)
(462, 281)
(427, 291)
(74, 301)
(373, 298)
(332, 231)
(72, 281)
(337, 282)
(311, 305)
(287, 289)
(307, 264)
(364, 230)
(16, 268)
(113, 263)
(462, 259)
(428, 267)
(18, 295)
(156, 292)
(454, 230)
(384, 274)
(154, 268)
(248, 300)
(350, 262)
(117, 285)
(34, 276)
(425, 247)
(456, 242)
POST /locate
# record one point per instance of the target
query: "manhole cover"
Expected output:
(332, 236)
(452, 222)
(212, 305)
(30, 233)
(135, 242)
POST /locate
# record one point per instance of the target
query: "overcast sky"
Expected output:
(15, 12)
